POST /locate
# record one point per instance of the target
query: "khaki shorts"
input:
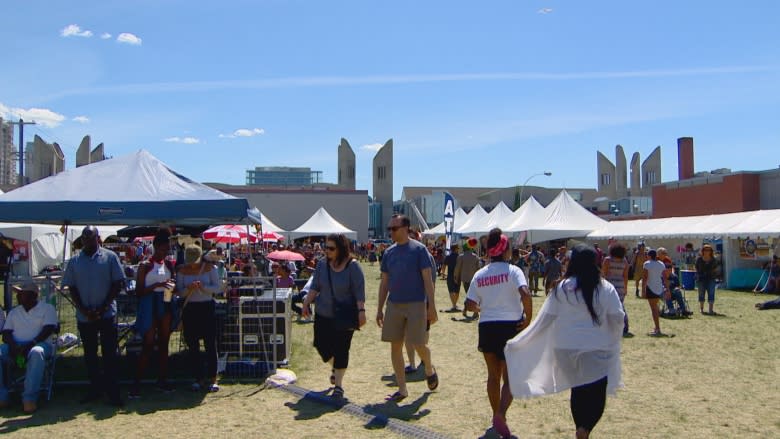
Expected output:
(405, 321)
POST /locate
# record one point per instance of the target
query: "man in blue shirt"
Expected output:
(407, 287)
(94, 278)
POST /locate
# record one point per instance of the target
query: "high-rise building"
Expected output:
(8, 159)
(383, 184)
(282, 176)
(42, 160)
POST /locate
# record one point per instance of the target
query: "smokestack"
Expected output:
(685, 158)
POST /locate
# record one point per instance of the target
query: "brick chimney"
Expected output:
(685, 158)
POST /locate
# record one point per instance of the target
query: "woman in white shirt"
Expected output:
(499, 293)
(653, 281)
(574, 343)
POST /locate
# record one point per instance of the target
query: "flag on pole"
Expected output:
(449, 221)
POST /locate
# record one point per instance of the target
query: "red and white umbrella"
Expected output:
(272, 237)
(229, 234)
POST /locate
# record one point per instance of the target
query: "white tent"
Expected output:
(268, 225)
(460, 217)
(474, 217)
(321, 223)
(46, 244)
(485, 224)
(565, 218)
(528, 215)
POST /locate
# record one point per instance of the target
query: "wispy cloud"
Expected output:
(81, 119)
(350, 81)
(186, 140)
(374, 147)
(105, 36)
(243, 132)
(43, 116)
(544, 11)
(128, 38)
(74, 30)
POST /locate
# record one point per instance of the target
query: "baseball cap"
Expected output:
(27, 286)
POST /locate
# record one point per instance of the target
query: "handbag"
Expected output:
(345, 313)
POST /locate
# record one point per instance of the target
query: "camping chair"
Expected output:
(15, 375)
(666, 312)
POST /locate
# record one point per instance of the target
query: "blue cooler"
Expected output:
(688, 279)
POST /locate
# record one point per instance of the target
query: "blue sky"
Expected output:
(473, 93)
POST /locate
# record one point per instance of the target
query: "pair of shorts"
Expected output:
(406, 321)
(651, 294)
(494, 335)
(452, 286)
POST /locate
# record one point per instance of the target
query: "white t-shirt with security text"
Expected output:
(495, 288)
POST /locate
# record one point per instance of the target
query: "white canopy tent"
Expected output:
(528, 215)
(268, 225)
(486, 223)
(46, 244)
(321, 223)
(474, 217)
(460, 217)
(565, 218)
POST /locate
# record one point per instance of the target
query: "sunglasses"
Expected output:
(330, 248)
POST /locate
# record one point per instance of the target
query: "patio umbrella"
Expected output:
(230, 234)
(285, 255)
(272, 237)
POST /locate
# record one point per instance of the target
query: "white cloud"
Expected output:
(105, 36)
(243, 132)
(128, 38)
(81, 119)
(42, 116)
(186, 140)
(74, 30)
(372, 147)
(545, 10)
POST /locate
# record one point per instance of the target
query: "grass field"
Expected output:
(717, 378)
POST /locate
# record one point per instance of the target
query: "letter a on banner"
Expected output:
(449, 221)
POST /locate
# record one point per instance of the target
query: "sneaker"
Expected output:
(628, 334)
(214, 388)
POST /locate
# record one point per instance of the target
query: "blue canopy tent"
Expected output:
(136, 189)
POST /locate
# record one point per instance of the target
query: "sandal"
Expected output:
(338, 393)
(396, 397)
(433, 380)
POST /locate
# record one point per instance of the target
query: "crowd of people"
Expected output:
(578, 328)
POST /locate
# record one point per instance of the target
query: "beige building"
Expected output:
(346, 178)
(84, 156)
(383, 184)
(8, 155)
(42, 160)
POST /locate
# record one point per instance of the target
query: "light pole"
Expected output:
(519, 199)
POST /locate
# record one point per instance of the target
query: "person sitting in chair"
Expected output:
(673, 294)
(772, 269)
(26, 336)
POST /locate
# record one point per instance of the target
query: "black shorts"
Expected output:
(651, 294)
(452, 286)
(494, 335)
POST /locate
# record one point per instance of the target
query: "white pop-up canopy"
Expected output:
(268, 225)
(528, 215)
(460, 217)
(474, 217)
(565, 218)
(321, 223)
(486, 223)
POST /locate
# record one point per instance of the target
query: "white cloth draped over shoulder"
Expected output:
(563, 348)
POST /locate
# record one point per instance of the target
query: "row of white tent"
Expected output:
(562, 218)
(320, 223)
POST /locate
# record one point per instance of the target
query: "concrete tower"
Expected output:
(606, 170)
(383, 181)
(636, 177)
(621, 173)
(346, 166)
(84, 156)
(43, 159)
(651, 172)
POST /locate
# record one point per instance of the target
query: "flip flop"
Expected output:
(433, 380)
(338, 393)
(500, 427)
(396, 397)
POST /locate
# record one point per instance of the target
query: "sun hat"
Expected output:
(27, 286)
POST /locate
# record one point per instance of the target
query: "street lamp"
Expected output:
(519, 199)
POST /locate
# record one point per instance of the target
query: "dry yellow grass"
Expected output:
(716, 378)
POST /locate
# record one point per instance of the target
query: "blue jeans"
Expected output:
(678, 297)
(36, 364)
(708, 286)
